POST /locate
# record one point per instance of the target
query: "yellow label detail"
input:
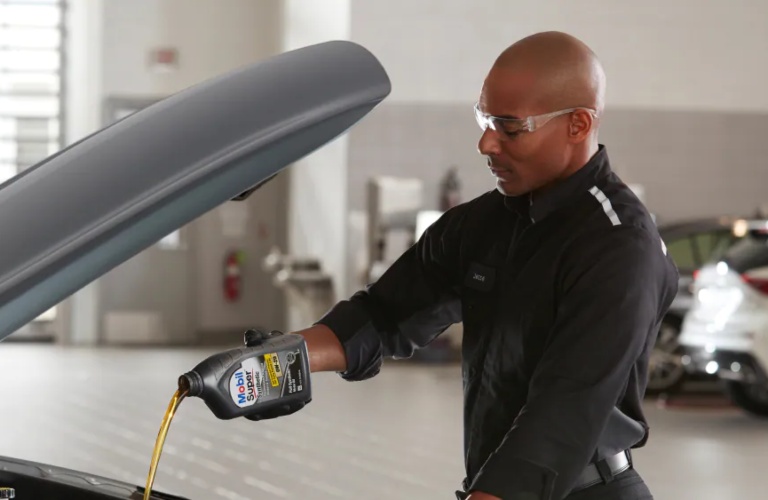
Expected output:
(276, 364)
(273, 368)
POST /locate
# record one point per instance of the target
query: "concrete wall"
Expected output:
(691, 163)
(691, 54)
(318, 182)
(175, 296)
(210, 40)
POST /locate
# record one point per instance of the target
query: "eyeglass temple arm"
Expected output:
(534, 122)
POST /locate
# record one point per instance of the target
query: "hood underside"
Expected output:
(95, 204)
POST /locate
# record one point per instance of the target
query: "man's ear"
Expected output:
(581, 125)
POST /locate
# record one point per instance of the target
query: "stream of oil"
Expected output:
(169, 413)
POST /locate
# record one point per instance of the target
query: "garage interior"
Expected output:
(85, 384)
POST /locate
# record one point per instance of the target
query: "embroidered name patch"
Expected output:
(480, 277)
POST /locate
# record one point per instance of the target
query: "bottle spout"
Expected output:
(191, 383)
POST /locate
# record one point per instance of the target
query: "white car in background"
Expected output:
(725, 333)
(691, 243)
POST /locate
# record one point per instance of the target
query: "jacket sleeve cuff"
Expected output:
(514, 479)
(362, 346)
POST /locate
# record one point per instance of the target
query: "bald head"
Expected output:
(556, 69)
(541, 74)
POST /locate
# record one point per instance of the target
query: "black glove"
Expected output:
(279, 411)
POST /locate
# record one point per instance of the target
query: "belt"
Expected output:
(599, 472)
(604, 470)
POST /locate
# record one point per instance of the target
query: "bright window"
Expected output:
(31, 111)
(31, 60)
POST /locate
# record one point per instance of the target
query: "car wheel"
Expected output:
(752, 398)
(666, 372)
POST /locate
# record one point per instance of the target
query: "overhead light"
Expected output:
(740, 228)
(712, 367)
(722, 268)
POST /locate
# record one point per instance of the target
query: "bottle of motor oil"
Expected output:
(267, 378)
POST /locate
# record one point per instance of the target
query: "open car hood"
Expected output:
(95, 204)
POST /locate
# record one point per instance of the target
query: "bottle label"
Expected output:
(246, 383)
(294, 373)
(267, 377)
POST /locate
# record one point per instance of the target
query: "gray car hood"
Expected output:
(95, 204)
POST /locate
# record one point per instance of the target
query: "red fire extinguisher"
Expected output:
(233, 275)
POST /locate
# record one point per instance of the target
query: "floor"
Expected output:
(395, 436)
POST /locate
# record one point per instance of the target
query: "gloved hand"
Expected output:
(279, 411)
(254, 338)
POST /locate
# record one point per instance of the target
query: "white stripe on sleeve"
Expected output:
(606, 203)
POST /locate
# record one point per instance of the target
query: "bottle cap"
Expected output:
(7, 492)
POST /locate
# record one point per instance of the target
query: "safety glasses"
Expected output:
(510, 127)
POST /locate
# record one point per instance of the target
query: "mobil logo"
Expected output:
(244, 385)
(241, 398)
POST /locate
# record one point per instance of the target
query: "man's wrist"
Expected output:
(326, 352)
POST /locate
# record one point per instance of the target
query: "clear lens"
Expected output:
(482, 119)
(508, 127)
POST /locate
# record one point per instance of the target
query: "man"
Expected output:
(560, 279)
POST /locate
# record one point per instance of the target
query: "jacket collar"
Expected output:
(538, 206)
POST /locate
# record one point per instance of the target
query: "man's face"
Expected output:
(525, 161)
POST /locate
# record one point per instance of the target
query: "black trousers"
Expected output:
(626, 486)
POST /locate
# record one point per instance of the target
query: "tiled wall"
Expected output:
(420, 141)
(690, 163)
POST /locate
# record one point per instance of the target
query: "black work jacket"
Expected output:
(561, 296)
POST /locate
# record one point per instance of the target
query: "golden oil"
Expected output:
(169, 413)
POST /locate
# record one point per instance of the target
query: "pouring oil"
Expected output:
(267, 378)
(169, 413)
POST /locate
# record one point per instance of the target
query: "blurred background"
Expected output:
(685, 127)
